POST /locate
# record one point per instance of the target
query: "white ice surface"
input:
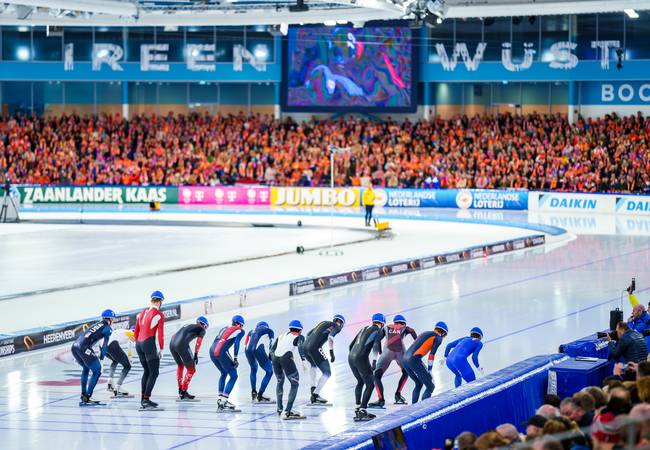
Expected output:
(527, 304)
(51, 256)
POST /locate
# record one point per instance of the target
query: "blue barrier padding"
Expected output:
(590, 346)
(510, 395)
(572, 375)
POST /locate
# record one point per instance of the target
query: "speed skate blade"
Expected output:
(264, 402)
(293, 418)
(119, 397)
(321, 405)
(365, 419)
(91, 405)
(228, 411)
(376, 407)
(151, 409)
(187, 400)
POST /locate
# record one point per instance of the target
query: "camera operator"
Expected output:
(629, 346)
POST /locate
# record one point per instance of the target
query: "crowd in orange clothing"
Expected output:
(524, 152)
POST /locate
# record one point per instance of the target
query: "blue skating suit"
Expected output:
(457, 353)
(257, 355)
(83, 353)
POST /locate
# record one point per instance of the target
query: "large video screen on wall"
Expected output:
(343, 69)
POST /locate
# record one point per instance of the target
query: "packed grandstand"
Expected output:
(537, 152)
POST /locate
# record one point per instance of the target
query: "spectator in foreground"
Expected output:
(579, 408)
(466, 440)
(619, 403)
(606, 431)
(629, 346)
(548, 411)
(509, 432)
(641, 415)
(534, 427)
(489, 440)
(599, 396)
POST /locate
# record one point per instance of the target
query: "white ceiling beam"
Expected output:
(541, 8)
(209, 18)
(114, 7)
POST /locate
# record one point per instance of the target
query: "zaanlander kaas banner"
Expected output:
(298, 196)
(97, 194)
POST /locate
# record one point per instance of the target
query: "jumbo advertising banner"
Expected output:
(452, 198)
(97, 194)
(313, 196)
(224, 195)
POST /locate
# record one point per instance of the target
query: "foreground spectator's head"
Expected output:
(554, 426)
(548, 411)
(631, 387)
(509, 432)
(552, 399)
(572, 409)
(534, 426)
(620, 401)
(640, 415)
(621, 329)
(643, 389)
(610, 383)
(585, 401)
(643, 369)
(599, 396)
(606, 431)
(466, 440)
(489, 440)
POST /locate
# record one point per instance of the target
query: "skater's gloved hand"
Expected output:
(235, 363)
(332, 358)
(442, 361)
(196, 358)
(305, 366)
(160, 354)
(430, 365)
(481, 371)
(374, 365)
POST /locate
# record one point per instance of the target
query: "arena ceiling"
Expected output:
(276, 12)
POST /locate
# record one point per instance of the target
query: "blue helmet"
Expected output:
(203, 321)
(399, 319)
(339, 317)
(379, 317)
(476, 330)
(238, 319)
(442, 326)
(262, 324)
(295, 324)
(157, 295)
(108, 314)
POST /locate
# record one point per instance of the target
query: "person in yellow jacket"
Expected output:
(368, 200)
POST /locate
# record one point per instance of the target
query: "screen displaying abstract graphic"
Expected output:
(343, 68)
